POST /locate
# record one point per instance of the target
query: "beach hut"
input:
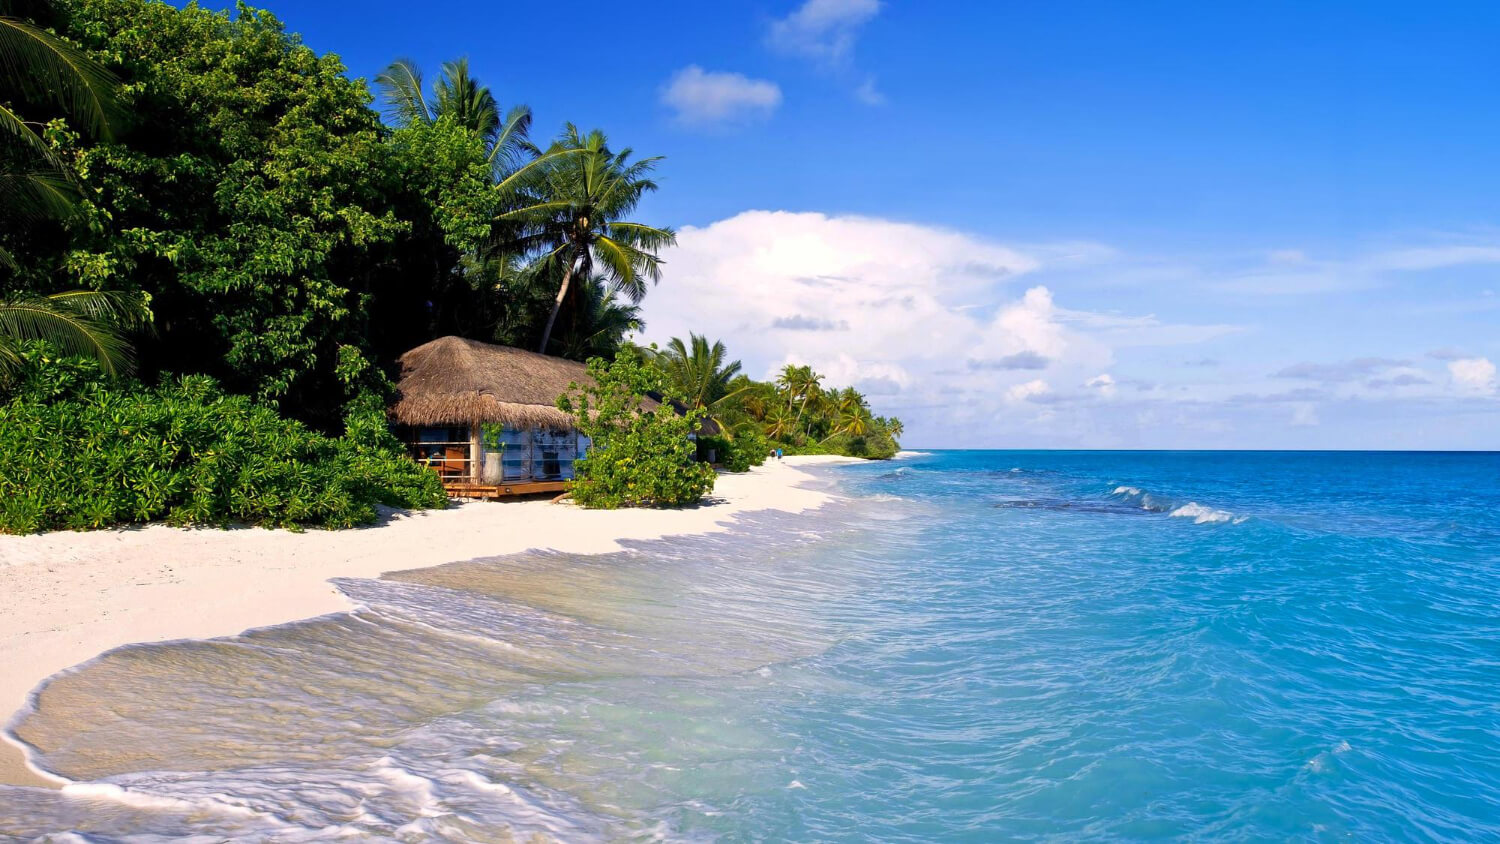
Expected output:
(485, 417)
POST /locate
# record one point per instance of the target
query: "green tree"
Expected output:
(802, 386)
(638, 456)
(263, 212)
(698, 371)
(571, 214)
(853, 417)
(42, 70)
(460, 97)
(601, 324)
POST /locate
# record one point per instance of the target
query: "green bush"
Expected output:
(77, 453)
(748, 448)
(637, 457)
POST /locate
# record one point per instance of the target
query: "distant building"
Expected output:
(485, 417)
(482, 415)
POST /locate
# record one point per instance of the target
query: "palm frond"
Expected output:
(401, 89)
(17, 134)
(459, 96)
(626, 266)
(40, 64)
(40, 195)
(528, 175)
(512, 140)
(64, 321)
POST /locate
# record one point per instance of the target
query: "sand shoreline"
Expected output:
(73, 596)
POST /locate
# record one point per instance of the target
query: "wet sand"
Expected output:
(72, 596)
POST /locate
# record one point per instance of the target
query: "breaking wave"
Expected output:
(1204, 515)
(1200, 514)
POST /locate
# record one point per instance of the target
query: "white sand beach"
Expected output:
(72, 596)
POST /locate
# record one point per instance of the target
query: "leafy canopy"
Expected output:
(637, 457)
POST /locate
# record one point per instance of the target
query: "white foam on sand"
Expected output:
(72, 596)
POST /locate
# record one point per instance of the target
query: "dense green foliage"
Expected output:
(77, 452)
(638, 456)
(745, 449)
(43, 77)
(196, 199)
(796, 413)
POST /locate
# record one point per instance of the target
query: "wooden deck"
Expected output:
(465, 489)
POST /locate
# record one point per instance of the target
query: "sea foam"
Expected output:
(1204, 515)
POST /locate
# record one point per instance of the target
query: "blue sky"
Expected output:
(1082, 224)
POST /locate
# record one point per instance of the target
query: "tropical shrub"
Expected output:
(78, 453)
(747, 449)
(638, 457)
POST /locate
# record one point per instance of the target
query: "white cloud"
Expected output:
(1028, 390)
(868, 94)
(940, 324)
(701, 97)
(823, 29)
(1473, 375)
(1104, 383)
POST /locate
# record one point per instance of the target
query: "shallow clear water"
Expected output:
(971, 646)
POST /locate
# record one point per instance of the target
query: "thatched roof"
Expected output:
(454, 381)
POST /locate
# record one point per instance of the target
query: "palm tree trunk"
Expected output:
(562, 293)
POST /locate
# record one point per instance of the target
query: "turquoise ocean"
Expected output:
(965, 646)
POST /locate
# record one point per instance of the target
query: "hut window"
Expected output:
(553, 453)
(443, 449)
(514, 450)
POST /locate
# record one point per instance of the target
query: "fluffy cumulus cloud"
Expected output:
(947, 329)
(1473, 375)
(709, 98)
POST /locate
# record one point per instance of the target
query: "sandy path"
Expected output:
(68, 597)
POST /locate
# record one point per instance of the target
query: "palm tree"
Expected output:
(894, 426)
(86, 323)
(779, 423)
(699, 373)
(36, 67)
(853, 415)
(603, 321)
(457, 96)
(754, 398)
(801, 383)
(572, 214)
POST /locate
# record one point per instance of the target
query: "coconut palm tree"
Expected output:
(602, 323)
(802, 386)
(780, 424)
(698, 371)
(852, 414)
(573, 211)
(460, 97)
(39, 68)
(86, 323)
